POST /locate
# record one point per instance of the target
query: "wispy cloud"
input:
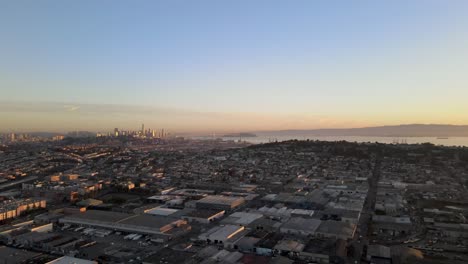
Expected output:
(71, 108)
(104, 117)
(55, 116)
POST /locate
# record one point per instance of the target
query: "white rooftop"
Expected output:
(242, 218)
(71, 260)
(161, 211)
(220, 199)
(222, 233)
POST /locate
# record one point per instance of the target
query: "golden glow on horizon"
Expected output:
(70, 117)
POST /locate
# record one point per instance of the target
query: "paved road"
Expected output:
(362, 231)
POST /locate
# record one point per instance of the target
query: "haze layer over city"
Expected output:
(233, 132)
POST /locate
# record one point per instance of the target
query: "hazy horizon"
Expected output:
(197, 67)
(87, 117)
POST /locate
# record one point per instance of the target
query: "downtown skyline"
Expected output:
(243, 66)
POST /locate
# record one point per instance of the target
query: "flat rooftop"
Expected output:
(242, 218)
(299, 223)
(227, 231)
(203, 213)
(10, 255)
(71, 260)
(269, 241)
(321, 246)
(289, 245)
(220, 199)
(167, 255)
(161, 211)
(104, 216)
(147, 221)
(144, 223)
(223, 232)
(336, 228)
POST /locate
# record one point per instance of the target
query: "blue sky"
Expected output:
(348, 62)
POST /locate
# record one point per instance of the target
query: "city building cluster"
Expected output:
(142, 133)
(177, 200)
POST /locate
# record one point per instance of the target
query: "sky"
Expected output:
(245, 65)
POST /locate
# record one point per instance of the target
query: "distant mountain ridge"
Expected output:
(411, 130)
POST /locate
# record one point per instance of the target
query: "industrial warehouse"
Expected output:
(131, 223)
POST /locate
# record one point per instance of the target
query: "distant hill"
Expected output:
(240, 135)
(413, 130)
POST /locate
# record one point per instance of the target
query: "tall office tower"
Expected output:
(153, 133)
(12, 137)
(116, 132)
(162, 133)
(142, 128)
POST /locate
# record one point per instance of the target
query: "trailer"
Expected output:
(129, 236)
(137, 237)
(79, 229)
